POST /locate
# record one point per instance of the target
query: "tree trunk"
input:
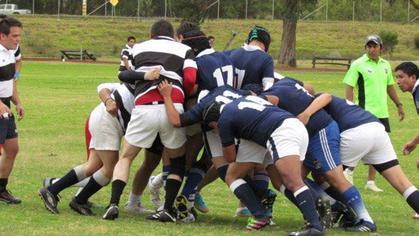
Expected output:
(287, 55)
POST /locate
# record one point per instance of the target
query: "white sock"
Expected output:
(134, 199)
(370, 182)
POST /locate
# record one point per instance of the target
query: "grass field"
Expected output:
(59, 96)
(45, 36)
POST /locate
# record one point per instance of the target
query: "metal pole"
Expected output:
(381, 10)
(33, 7)
(245, 14)
(165, 9)
(218, 10)
(353, 10)
(327, 9)
(408, 11)
(273, 9)
(106, 7)
(138, 9)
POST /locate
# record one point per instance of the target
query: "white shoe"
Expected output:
(349, 175)
(190, 218)
(136, 209)
(372, 187)
(154, 189)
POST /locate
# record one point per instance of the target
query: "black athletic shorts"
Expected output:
(7, 129)
(386, 124)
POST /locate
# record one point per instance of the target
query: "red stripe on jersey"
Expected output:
(88, 136)
(154, 96)
(189, 79)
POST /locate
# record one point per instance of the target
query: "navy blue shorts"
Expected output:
(323, 153)
(7, 129)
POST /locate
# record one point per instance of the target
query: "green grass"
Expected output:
(45, 36)
(59, 96)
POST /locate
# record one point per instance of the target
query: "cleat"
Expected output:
(181, 205)
(268, 202)
(82, 209)
(136, 208)
(325, 212)
(257, 224)
(308, 231)
(362, 226)
(343, 216)
(163, 216)
(47, 182)
(373, 187)
(7, 197)
(50, 200)
(155, 190)
(200, 204)
(349, 175)
(112, 212)
(190, 218)
(242, 212)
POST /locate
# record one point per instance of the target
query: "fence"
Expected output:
(321, 10)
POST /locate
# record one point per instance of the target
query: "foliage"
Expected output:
(390, 40)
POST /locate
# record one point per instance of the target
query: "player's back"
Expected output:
(251, 65)
(215, 69)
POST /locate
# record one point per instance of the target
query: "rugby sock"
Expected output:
(353, 199)
(332, 192)
(165, 169)
(72, 177)
(117, 189)
(288, 194)
(80, 184)
(134, 199)
(3, 183)
(412, 197)
(93, 186)
(305, 203)
(261, 180)
(172, 188)
(244, 192)
(195, 176)
(317, 191)
(222, 171)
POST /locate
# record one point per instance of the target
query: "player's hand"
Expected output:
(111, 107)
(152, 74)
(165, 88)
(20, 111)
(401, 112)
(4, 110)
(409, 147)
(304, 117)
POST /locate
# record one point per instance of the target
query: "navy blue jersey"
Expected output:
(215, 69)
(295, 99)
(416, 95)
(224, 94)
(252, 66)
(251, 118)
(347, 114)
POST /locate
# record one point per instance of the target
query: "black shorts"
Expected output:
(386, 124)
(7, 129)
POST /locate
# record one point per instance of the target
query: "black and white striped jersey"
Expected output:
(17, 52)
(126, 53)
(173, 58)
(7, 73)
(123, 94)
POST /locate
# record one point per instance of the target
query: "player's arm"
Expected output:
(165, 90)
(393, 95)
(132, 76)
(105, 90)
(16, 100)
(268, 74)
(318, 103)
(229, 153)
(18, 66)
(3, 109)
(410, 146)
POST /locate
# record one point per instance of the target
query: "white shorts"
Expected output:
(249, 151)
(105, 130)
(291, 138)
(368, 142)
(149, 120)
(213, 144)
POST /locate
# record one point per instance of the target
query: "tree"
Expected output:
(287, 54)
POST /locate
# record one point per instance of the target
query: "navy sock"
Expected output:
(195, 176)
(165, 169)
(246, 195)
(222, 171)
(3, 183)
(305, 203)
(117, 189)
(413, 200)
(353, 199)
(69, 179)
